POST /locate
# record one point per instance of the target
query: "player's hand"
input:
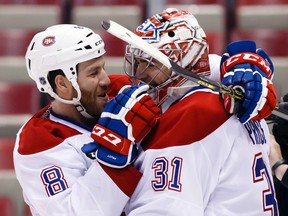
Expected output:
(250, 71)
(125, 120)
(110, 158)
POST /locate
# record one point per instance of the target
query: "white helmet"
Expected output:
(62, 47)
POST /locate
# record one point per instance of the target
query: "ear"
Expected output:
(63, 85)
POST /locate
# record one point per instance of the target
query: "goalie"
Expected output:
(200, 159)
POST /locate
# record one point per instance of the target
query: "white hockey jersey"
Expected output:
(201, 161)
(56, 176)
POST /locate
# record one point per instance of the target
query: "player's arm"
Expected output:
(184, 171)
(55, 184)
(249, 70)
(279, 165)
(125, 120)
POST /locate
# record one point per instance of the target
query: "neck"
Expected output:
(70, 111)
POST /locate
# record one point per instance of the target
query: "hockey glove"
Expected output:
(125, 120)
(249, 70)
(110, 158)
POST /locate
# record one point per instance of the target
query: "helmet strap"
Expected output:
(80, 108)
(162, 93)
(75, 101)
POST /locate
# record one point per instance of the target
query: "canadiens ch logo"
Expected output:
(48, 41)
(151, 30)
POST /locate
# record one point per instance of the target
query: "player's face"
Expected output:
(94, 83)
(152, 73)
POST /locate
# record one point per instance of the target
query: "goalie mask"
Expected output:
(178, 35)
(62, 47)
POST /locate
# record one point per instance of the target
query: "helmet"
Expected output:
(61, 47)
(179, 36)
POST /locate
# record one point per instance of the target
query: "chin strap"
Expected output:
(179, 91)
(163, 92)
(80, 108)
(75, 101)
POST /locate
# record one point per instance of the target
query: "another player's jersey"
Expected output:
(199, 160)
(58, 179)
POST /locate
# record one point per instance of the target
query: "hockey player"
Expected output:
(199, 159)
(66, 61)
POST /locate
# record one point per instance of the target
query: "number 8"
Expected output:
(54, 181)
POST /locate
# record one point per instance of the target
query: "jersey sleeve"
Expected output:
(61, 180)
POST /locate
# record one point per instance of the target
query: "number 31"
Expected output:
(161, 168)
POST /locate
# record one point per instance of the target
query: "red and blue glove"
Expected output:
(125, 120)
(249, 70)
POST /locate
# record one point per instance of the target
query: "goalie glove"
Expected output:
(249, 70)
(125, 120)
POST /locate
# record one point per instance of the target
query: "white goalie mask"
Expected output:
(62, 47)
(179, 36)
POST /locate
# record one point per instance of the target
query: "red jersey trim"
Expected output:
(40, 133)
(117, 82)
(126, 179)
(187, 121)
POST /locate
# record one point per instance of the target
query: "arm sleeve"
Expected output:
(61, 182)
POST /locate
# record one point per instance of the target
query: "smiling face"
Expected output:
(93, 82)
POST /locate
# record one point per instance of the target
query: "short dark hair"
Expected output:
(51, 79)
